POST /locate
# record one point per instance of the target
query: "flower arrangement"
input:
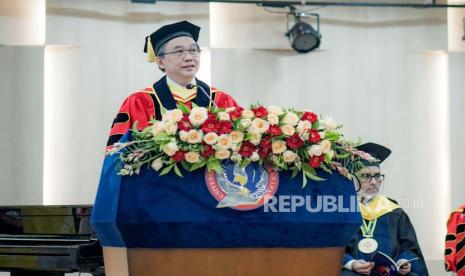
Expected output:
(288, 140)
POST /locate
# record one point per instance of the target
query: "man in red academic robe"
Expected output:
(175, 50)
(455, 242)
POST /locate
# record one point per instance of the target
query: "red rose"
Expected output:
(260, 112)
(211, 115)
(315, 161)
(264, 148)
(247, 149)
(185, 124)
(264, 152)
(210, 125)
(236, 114)
(225, 127)
(314, 136)
(294, 142)
(207, 150)
(178, 156)
(309, 116)
(274, 130)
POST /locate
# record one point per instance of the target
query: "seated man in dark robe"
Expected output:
(175, 50)
(386, 227)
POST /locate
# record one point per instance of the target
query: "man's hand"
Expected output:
(405, 266)
(363, 267)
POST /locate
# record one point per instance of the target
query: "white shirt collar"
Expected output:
(172, 82)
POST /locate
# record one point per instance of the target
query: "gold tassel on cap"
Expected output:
(151, 57)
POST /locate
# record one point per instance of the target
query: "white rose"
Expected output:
(235, 147)
(174, 115)
(170, 148)
(223, 116)
(194, 136)
(192, 157)
(276, 110)
(222, 154)
(291, 118)
(278, 146)
(322, 134)
(157, 164)
(237, 136)
(158, 127)
(210, 138)
(328, 123)
(255, 138)
(246, 122)
(255, 157)
(288, 130)
(325, 146)
(273, 119)
(247, 113)
(289, 156)
(183, 135)
(260, 125)
(198, 115)
(171, 128)
(229, 109)
(304, 126)
(224, 141)
(315, 150)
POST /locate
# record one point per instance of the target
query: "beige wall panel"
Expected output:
(456, 29)
(21, 139)
(22, 22)
(117, 23)
(457, 126)
(251, 27)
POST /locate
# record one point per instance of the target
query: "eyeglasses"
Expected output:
(366, 177)
(195, 52)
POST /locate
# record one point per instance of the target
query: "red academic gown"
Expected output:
(145, 104)
(455, 242)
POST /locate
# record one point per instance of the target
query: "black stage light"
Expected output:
(303, 37)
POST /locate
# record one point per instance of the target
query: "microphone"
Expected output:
(190, 86)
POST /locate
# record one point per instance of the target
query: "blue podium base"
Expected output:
(152, 211)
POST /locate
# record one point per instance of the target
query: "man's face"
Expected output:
(183, 68)
(370, 181)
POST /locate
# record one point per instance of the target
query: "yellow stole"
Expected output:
(182, 94)
(377, 207)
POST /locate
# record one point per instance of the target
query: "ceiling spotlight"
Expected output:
(302, 36)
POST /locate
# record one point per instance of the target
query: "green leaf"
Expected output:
(213, 164)
(177, 171)
(304, 180)
(245, 163)
(167, 169)
(161, 137)
(184, 108)
(194, 104)
(185, 165)
(332, 136)
(295, 171)
(198, 165)
(314, 177)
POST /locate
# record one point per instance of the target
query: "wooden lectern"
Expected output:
(223, 262)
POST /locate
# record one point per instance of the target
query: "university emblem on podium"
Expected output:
(242, 188)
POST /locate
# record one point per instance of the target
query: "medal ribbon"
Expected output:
(368, 229)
